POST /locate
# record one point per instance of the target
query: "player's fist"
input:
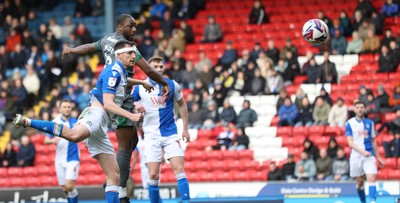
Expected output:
(380, 161)
(139, 107)
(135, 117)
(367, 154)
(165, 92)
(147, 86)
(66, 51)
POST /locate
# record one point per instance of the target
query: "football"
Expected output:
(315, 31)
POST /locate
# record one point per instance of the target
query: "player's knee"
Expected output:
(179, 169)
(154, 176)
(69, 187)
(371, 179)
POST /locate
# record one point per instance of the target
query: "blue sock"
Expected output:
(372, 192)
(154, 191)
(47, 127)
(361, 194)
(183, 186)
(112, 194)
(73, 196)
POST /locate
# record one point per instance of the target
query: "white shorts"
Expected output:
(67, 171)
(362, 165)
(96, 120)
(154, 148)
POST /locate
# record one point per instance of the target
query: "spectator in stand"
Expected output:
(220, 92)
(227, 114)
(392, 148)
(33, 22)
(326, 19)
(157, 10)
(355, 44)
(305, 113)
(364, 29)
(393, 126)
(31, 83)
(82, 9)
(390, 8)
(4, 63)
(383, 99)
(144, 24)
(332, 147)
(274, 83)
(338, 114)
(257, 49)
(27, 40)
(167, 24)
(244, 61)
(239, 85)
(324, 164)
(229, 56)
(210, 115)
(9, 156)
(386, 61)
(257, 84)
(395, 51)
(187, 29)
(272, 52)
(340, 167)
(71, 94)
(247, 116)
(205, 76)
(98, 9)
(173, 8)
(224, 139)
(190, 76)
(13, 39)
(83, 98)
(228, 78)
(265, 64)
(328, 69)
(372, 108)
(293, 66)
(55, 28)
(203, 60)
(258, 14)
(338, 43)
(241, 142)
(313, 71)
(288, 168)
(287, 113)
(187, 10)
(281, 99)
(358, 19)
(305, 168)
(147, 48)
(363, 94)
(19, 94)
(288, 47)
(26, 152)
(195, 119)
(336, 26)
(325, 95)
(178, 40)
(394, 99)
(274, 173)
(377, 20)
(311, 149)
(365, 7)
(212, 31)
(321, 112)
(18, 59)
(345, 22)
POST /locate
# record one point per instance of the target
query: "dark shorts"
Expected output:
(129, 106)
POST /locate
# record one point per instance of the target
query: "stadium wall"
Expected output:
(271, 192)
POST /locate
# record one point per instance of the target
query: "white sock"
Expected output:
(73, 193)
(122, 192)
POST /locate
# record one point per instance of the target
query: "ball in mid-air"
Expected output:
(315, 31)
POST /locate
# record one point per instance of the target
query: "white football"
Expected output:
(315, 31)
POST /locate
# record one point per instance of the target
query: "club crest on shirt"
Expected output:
(112, 81)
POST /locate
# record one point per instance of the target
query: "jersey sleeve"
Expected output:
(135, 93)
(178, 95)
(373, 134)
(111, 80)
(98, 45)
(349, 132)
(49, 135)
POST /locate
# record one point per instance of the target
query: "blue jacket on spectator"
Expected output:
(229, 57)
(288, 112)
(390, 10)
(158, 9)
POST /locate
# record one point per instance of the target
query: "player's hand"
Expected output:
(186, 136)
(139, 107)
(65, 52)
(380, 161)
(165, 92)
(147, 86)
(135, 117)
(367, 154)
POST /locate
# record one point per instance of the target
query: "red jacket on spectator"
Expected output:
(12, 40)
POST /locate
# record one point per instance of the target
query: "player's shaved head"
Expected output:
(121, 18)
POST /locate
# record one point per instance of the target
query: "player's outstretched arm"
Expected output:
(351, 144)
(184, 115)
(143, 83)
(83, 49)
(154, 75)
(112, 107)
(375, 148)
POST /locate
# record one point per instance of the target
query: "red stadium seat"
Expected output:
(300, 131)
(15, 172)
(207, 177)
(193, 177)
(333, 131)
(251, 165)
(198, 155)
(202, 165)
(17, 182)
(284, 131)
(241, 176)
(394, 174)
(382, 175)
(32, 181)
(289, 142)
(214, 155)
(246, 155)
(366, 58)
(37, 139)
(204, 134)
(257, 175)
(316, 130)
(223, 176)
(390, 163)
(235, 165)
(95, 179)
(218, 165)
(4, 182)
(30, 171)
(230, 155)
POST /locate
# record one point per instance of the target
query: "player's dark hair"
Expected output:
(65, 101)
(359, 102)
(121, 18)
(156, 59)
(121, 44)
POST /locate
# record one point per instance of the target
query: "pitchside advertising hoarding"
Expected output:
(281, 191)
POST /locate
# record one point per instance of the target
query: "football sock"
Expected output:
(47, 127)
(73, 196)
(122, 192)
(124, 159)
(361, 194)
(372, 191)
(154, 191)
(112, 194)
(183, 186)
